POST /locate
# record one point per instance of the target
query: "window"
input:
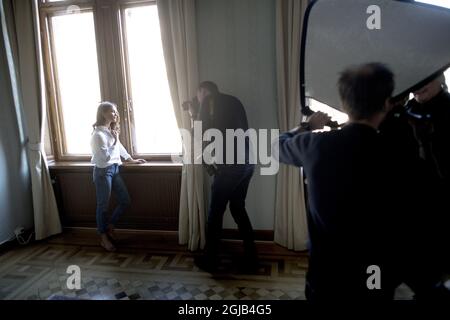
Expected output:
(76, 71)
(154, 119)
(111, 50)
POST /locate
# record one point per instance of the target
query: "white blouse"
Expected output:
(104, 152)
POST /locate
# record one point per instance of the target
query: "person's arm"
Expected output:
(124, 154)
(128, 159)
(100, 149)
(317, 121)
(293, 146)
(243, 121)
(206, 113)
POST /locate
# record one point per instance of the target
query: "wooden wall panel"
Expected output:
(154, 192)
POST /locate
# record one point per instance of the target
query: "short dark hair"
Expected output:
(210, 86)
(364, 89)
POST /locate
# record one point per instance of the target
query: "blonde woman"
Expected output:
(106, 157)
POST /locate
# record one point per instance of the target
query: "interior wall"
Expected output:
(15, 192)
(236, 41)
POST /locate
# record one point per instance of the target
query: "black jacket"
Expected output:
(222, 112)
(351, 184)
(435, 132)
(423, 149)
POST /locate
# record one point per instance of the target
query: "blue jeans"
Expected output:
(230, 185)
(106, 180)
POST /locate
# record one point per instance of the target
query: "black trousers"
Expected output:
(230, 185)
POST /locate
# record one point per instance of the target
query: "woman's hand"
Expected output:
(115, 135)
(135, 161)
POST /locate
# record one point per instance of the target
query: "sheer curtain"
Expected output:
(21, 40)
(178, 33)
(290, 217)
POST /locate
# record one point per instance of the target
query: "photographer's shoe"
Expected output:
(249, 266)
(206, 264)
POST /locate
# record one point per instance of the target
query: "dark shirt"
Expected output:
(415, 193)
(437, 134)
(399, 138)
(222, 112)
(423, 149)
(350, 184)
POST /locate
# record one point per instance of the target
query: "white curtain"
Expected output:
(25, 64)
(290, 217)
(178, 33)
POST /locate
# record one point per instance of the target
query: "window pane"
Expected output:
(156, 130)
(78, 78)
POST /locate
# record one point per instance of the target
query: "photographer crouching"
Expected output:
(230, 183)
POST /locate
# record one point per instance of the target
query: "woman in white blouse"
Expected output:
(106, 157)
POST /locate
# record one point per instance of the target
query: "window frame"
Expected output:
(56, 121)
(114, 77)
(127, 4)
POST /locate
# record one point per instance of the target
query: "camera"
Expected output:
(306, 110)
(192, 106)
(407, 111)
(211, 169)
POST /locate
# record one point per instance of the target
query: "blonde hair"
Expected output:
(102, 107)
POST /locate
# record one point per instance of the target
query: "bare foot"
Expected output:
(110, 233)
(106, 243)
